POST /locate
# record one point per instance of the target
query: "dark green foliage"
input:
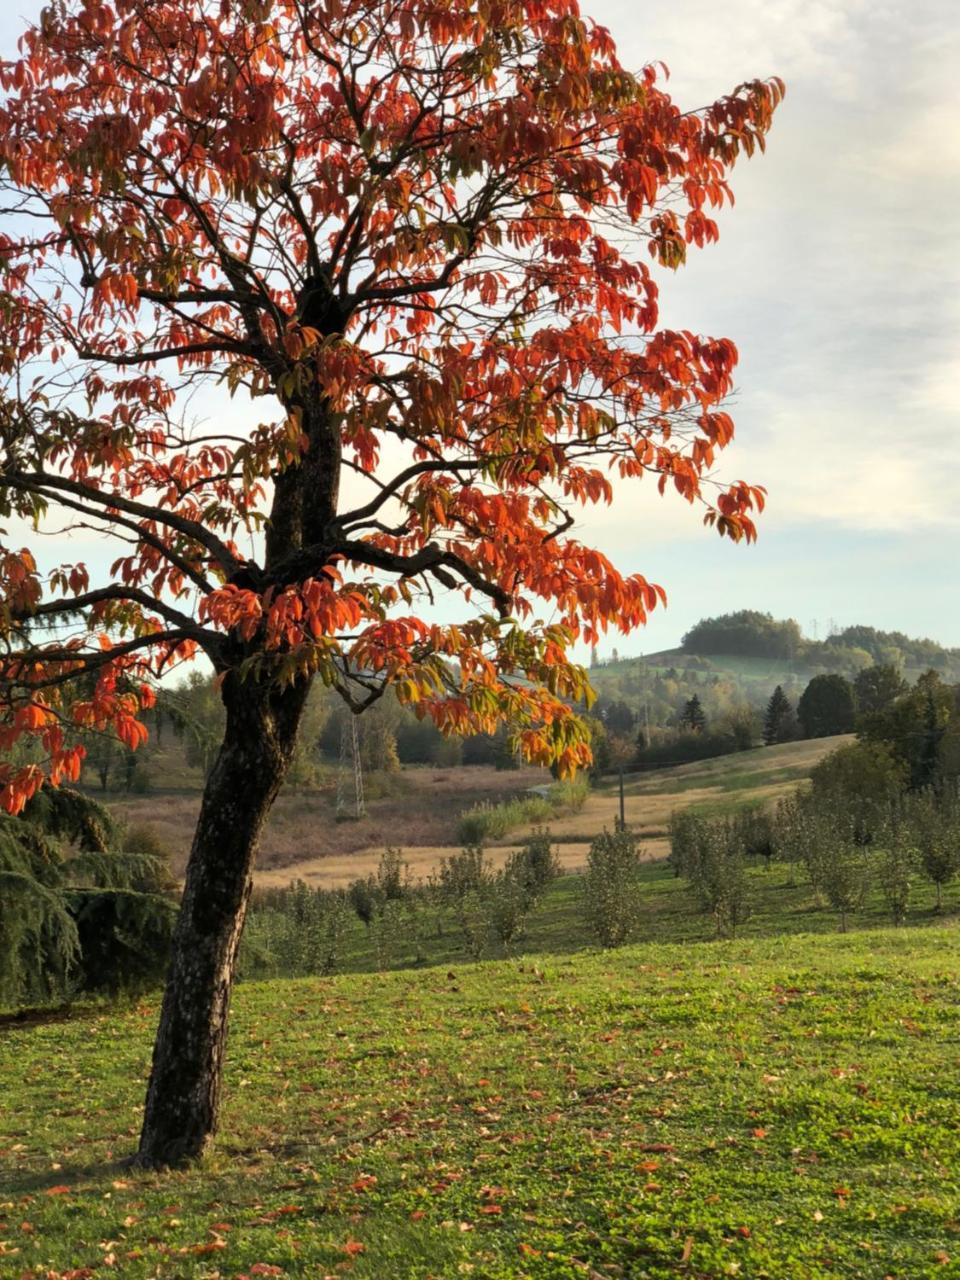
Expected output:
(124, 938)
(678, 747)
(692, 717)
(362, 896)
(753, 829)
(826, 707)
(745, 633)
(616, 715)
(920, 728)
(75, 913)
(863, 779)
(67, 814)
(878, 687)
(777, 720)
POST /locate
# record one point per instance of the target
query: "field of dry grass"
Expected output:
(764, 774)
(304, 840)
(421, 810)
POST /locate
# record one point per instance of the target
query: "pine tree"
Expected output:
(778, 712)
(693, 716)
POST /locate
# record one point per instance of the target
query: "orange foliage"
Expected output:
(478, 235)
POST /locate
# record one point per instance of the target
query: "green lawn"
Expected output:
(784, 1107)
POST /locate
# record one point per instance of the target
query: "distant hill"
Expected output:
(758, 652)
(750, 634)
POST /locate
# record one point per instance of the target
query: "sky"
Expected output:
(837, 275)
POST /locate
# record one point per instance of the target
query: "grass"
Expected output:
(782, 904)
(767, 1108)
(486, 821)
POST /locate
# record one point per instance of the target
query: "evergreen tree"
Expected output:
(693, 716)
(777, 715)
(76, 911)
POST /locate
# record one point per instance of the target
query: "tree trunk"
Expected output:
(183, 1097)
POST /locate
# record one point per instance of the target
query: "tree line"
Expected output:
(749, 633)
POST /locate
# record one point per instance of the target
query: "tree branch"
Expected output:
(36, 482)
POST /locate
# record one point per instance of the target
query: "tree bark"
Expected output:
(183, 1097)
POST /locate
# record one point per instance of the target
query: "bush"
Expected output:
(509, 901)
(363, 895)
(487, 821)
(535, 864)
(713, 863)
(464, 873)
(393, 875)
(611, 890)
(934, 827)
(898, 860)
(124, 937)
(294, 932)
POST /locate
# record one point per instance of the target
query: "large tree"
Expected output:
(414, 235)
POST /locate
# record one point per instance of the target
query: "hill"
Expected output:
(776, 1107)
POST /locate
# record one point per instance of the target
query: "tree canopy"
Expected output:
(418, 230)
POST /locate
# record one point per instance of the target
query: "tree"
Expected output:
(746, 633)
(826, 707)
(878, 687)
(862, 780)
(918, 728)
(80, 907)
(778, 715)
(414, 235)
(692, 717)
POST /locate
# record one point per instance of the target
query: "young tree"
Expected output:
(415, 235)
(778, 714)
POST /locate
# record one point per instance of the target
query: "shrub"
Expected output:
(714, 866)
(934, 825)
(464, 873)
(535, 864)
(363, 896)
(295, 932)
(393, 875)
(897, 866)
(611, 888)
(508, 900)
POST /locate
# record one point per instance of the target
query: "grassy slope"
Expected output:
(781, 1107)
(744, 778)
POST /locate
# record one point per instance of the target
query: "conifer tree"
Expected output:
(777, 714)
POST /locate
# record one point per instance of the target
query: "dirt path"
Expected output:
(338, 870)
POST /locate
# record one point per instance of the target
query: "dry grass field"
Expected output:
(304, 840)
(421, 810)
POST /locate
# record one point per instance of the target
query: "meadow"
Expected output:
(783, 1104)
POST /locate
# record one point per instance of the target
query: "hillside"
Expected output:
(747, 777)
(766, 1108)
